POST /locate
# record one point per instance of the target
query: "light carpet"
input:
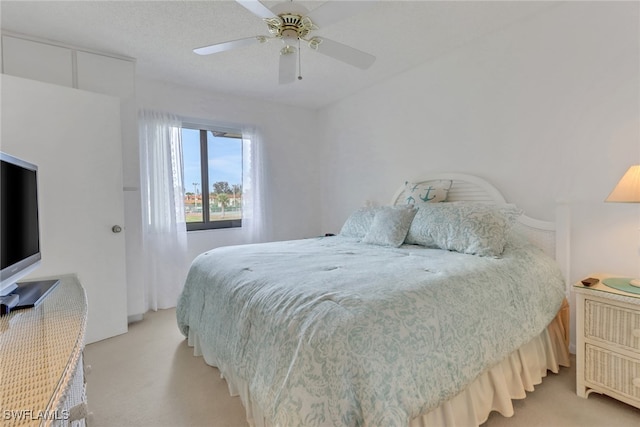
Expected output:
(149, 377)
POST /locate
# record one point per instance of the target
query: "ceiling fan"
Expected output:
(292, 23)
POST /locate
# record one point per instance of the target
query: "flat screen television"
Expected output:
(20, 231)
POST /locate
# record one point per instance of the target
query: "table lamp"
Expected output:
(628, 191)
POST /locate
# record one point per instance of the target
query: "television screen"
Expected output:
(19, 231)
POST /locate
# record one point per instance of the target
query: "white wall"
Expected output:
(290, 145)
(548, 110)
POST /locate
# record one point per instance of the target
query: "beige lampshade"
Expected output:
(628, 188)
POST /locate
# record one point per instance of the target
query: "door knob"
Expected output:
(116, 229)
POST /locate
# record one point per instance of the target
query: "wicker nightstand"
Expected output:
(608, 342)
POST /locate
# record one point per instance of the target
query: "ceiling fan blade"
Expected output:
(257, 8)
(287, 72)
(334, 11)
(233, 44)
(342, 52)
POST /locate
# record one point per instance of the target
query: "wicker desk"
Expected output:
(608, 342)
(41, 371)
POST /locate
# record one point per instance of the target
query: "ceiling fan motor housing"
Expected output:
(290, 27)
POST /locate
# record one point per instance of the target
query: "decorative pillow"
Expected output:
(390, 225)
(435, 191)
(359, 222)
(466, 227)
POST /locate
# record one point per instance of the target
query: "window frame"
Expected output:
(206, 223)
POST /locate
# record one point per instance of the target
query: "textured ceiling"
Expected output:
(160, 36)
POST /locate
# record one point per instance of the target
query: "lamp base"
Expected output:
(635, 282)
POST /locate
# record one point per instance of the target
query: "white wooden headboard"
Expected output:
(472, 188)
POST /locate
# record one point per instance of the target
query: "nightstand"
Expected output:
(608, 341)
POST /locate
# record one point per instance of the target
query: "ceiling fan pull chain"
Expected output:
(299, 62)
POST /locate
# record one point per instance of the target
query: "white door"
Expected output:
(75, 139)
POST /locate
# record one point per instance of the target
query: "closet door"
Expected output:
(75, 138)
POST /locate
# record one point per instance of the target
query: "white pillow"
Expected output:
(359, 222)
(434, 191)
(390, 226)
(466, 227)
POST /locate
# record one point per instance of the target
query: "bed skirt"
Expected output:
(493, 390)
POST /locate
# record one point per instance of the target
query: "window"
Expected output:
(212, 177)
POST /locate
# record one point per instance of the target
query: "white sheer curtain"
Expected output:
(164, 228)
(253, 187)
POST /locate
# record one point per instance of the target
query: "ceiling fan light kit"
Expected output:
(292, 23)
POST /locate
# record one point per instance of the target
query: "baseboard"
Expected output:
(135, 318)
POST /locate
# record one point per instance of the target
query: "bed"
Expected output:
(434, 310)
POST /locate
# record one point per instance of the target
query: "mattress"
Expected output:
(331, 331)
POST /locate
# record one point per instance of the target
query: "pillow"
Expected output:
(390, 226)
(466, 227)
(435, 191)
(359, 222)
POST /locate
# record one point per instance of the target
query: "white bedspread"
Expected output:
(332, 332)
